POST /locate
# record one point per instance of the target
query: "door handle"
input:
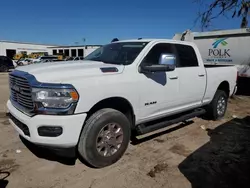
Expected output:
(173, 77)
(201, 75)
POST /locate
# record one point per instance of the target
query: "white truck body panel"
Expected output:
(229, 47)
(218, 74)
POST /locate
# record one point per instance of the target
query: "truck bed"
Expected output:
(217, 74)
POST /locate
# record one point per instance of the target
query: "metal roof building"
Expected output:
(10, 48)
(73, 51)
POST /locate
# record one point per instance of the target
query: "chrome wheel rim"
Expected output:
(109, 139)
(221, 106)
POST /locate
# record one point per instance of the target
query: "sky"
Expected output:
(67, 22)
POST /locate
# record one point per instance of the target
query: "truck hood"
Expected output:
(59, 72)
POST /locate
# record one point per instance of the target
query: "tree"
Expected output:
(216, 8)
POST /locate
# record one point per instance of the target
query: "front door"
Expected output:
(159, 90)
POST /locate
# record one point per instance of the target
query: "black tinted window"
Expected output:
(154, 54)
(117, 53)
(186, 56)
(54, 52)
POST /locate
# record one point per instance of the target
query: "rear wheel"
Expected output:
(217, 108)
(104, 138)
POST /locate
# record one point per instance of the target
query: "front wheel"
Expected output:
(217, 108)
(104, 138)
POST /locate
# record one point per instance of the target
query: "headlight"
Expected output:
(54, 98)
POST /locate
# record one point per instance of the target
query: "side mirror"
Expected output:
(166, 63)
(168, 59)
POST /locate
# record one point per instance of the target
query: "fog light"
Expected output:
(50, 131)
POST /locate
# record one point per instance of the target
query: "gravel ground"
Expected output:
(198, 154)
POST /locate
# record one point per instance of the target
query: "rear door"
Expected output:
(191, 76)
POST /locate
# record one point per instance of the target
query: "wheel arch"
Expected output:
(118, 103)
(224, 86)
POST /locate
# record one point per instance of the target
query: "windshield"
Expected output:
(117, 53)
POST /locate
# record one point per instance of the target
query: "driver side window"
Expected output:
(153, 56)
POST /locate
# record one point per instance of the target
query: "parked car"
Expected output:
(6, 64)
(24, 61)
(78, 58)
(124, 89)
(74, 58)
(69, 59)
(45, 58)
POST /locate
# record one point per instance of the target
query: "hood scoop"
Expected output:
(109, 69)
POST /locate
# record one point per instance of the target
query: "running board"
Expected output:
(155, 125)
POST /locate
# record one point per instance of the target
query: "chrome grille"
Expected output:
(20, 92)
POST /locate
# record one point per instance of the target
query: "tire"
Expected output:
(3, 68)
(218, 106)
(100, 122)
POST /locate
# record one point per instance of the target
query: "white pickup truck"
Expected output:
(123, 89)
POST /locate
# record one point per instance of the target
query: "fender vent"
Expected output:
(109, 69)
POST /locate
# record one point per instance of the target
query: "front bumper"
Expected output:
(71, 126)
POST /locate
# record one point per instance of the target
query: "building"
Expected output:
(74, 51)
(10, 48)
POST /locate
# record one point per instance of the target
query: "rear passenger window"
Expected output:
(186, 56)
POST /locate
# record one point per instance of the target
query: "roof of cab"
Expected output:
(156, 40)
